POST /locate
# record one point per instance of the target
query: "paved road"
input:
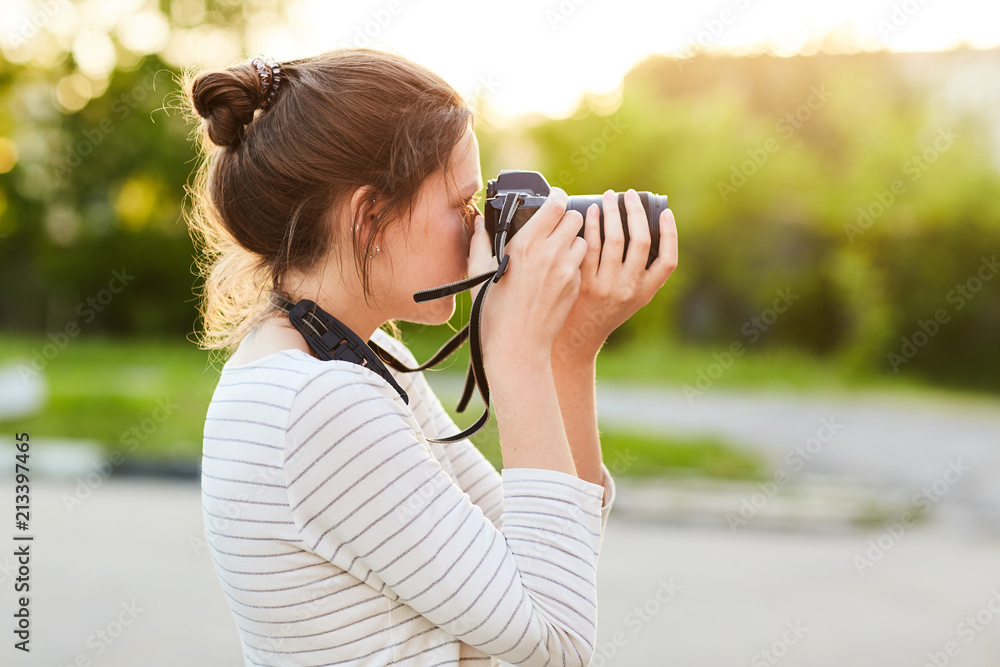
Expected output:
(896, 442)
(669, 595)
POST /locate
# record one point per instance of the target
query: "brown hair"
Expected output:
(270, 191)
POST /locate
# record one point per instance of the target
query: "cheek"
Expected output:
(463, 237)
(452, 251)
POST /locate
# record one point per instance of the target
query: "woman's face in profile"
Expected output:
(434, 250)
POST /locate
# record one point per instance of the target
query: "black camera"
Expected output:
(531, 189)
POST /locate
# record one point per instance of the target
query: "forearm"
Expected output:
(575, 385)
(532, 434)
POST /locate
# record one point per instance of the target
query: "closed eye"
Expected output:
(469, 209)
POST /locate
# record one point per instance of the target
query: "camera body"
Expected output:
(533, 189)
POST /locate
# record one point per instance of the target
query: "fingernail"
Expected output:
(632, 194)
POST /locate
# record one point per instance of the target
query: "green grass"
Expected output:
(101, 389)
(152, 396)
(645, 455)
(659, 361)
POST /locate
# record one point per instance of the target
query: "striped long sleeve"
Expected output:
(473, 472)
(342, 536)
(367, 494)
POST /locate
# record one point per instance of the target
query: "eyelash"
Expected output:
(467, 205)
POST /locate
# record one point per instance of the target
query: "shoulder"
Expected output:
(394, 346)
(341, 409)
(413, 383)
(326, 379)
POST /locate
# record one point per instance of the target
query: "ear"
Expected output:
(362, 213)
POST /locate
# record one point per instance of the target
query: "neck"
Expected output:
(340, 298)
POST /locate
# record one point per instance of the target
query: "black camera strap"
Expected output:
(476, 375)
(330, 338)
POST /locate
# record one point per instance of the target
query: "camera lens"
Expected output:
(532, 190)
(653, 204)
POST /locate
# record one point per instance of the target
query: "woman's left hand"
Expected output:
(612, 290)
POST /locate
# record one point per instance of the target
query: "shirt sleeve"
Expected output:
(476, 475)
(473, 471)
(366, 494)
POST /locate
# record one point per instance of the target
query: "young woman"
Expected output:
(340, 534)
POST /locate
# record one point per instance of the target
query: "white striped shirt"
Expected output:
(341, 536)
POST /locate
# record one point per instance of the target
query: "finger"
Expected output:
(638, 233)
(578, 251)
(592, 235)
(666, 259)
(568, 228)
(614, 236)
(481, 257)
(545, 220)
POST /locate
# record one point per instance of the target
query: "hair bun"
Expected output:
(227, 100)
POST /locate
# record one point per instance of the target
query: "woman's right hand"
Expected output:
(525, 310)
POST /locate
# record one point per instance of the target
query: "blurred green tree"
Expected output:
(850, 184)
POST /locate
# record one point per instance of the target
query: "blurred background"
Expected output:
(803, 425)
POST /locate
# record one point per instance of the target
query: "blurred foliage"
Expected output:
(780, 172)
(845, 180)
(147, 401)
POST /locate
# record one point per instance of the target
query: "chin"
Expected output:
(436, 312)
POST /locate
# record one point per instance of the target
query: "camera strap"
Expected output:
(476, 375)
(330, 338)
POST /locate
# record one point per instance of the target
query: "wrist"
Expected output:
(574, 375)
(566, 355)
(516, 364)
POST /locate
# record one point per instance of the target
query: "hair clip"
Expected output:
(271, 75)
